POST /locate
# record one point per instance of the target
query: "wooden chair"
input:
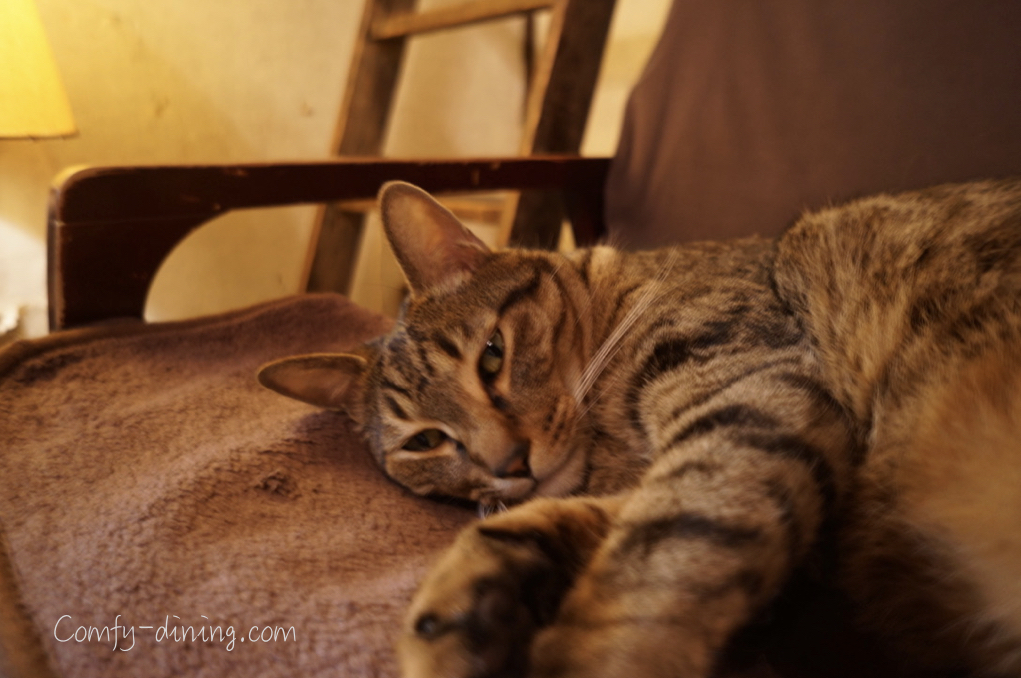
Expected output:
(136, 444)
(110, 228)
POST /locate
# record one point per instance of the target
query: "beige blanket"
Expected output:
(165, 515)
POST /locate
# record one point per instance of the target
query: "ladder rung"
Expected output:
(471, 208)
(410, 23)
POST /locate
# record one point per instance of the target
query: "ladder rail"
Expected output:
(559, 89)
(403, 24)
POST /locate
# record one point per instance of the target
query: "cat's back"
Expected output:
(913, 303)
(888, 280)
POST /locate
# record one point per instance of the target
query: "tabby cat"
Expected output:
(691, 424)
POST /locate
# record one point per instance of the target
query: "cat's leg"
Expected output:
(504, 578)
(735, 500)
(933, 553)
(692, 557)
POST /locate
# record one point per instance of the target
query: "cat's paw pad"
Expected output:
(479, 608)
(477, 611)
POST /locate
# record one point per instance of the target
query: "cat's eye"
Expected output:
(426, 440)
(492, 357)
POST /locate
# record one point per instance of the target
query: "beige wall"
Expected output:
(193, 81)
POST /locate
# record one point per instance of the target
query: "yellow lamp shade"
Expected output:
(32, 100)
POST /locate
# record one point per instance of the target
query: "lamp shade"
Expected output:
(32, 101)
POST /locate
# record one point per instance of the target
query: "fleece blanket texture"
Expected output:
(165, 515)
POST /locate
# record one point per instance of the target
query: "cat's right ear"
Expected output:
(434, 249)
(331, 380)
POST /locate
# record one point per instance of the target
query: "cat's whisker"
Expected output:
(596, 398)
(612, 344)
(592, 401)
(489, 505)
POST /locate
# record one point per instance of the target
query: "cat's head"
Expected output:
(472, 394)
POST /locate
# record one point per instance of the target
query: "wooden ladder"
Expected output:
(562, 79)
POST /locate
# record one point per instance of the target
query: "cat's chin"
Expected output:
(511, 490)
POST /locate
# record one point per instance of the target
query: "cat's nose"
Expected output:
(516, 463)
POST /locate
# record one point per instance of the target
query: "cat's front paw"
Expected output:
(503, 580)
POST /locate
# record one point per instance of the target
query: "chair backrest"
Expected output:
(110, 228)
(750, 112)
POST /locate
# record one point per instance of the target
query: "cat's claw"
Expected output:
(487, 508)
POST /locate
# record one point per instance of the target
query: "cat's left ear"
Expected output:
(434, 249)
(331, 380)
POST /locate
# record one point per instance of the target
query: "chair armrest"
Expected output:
(110, 228)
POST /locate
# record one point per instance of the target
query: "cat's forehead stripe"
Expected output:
(389, 385)
(447, 345)
(406, 365)
(521, 292)
(425, 360)
(396, 409)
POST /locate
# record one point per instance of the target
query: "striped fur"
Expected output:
(720, 410)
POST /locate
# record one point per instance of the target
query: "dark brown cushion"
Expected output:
(749, 112)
